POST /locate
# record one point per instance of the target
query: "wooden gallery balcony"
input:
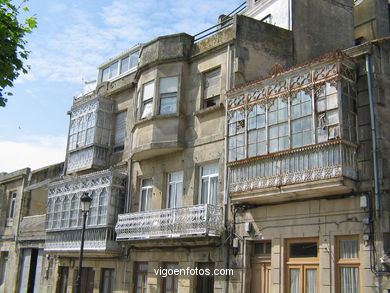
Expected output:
(64, 215)
(200, 221)
(293, 135)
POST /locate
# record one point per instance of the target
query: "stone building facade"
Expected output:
(24, 266)
(248, 148)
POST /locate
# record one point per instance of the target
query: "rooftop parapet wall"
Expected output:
(259, 46)
(7, 177)
(166, 48)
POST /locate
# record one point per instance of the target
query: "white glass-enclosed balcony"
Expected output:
(294, 135)
(89, 133)
(64, 216)
(202, 220)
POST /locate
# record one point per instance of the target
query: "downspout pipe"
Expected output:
(373, 135)
(226, 175)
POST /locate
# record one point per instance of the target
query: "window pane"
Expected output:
(210, 169)
(147, 182)
(168, 84)
(106, 74)
(148, 91)
(349, 279)
(114, 69)
(311, 281)
(134, 60)
(120, 127)
(168, 105)
(261, 121)
(204, 191)
(124, 64)
(147, 109)
(294, 280)
(303, 249)
(175, 189)
(349, 248)
(213, 191)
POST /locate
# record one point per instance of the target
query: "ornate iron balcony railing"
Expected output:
(95, 240)
(192, 221)
(328, 160)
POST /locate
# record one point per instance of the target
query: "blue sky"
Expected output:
(72, 39)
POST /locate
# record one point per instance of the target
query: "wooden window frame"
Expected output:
(143, 273)
(174, 279)
(301, 263)
(348, 262)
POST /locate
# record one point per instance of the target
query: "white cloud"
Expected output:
(33, 151)
(88, 38)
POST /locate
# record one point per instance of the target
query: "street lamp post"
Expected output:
(85, 206)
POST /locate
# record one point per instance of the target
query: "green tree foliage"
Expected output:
(13, 52)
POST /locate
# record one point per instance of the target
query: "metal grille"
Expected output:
(199, 220)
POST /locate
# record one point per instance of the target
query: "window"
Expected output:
(146, 194)
(65, 212)
(257, 144)
(302, 265)
(107, 281)
(120, 131)
(278, 126)
(348, 100)
(348, 264)
(93, 212)
(262, 248)
(168, 94)
(3, 266)
(205, 283)
(11, 205)
(102, 206)
(175, 190)
(140, 277)
(125, 64)
(303, 117)
(49, 213)
(301, 120)
(170, 283)
(82, 131)
(236, 139)
(208, 184)
(328, 114)
(74, 210)
(57, 213)
(147, 100)
(211, 88)
(90, 132)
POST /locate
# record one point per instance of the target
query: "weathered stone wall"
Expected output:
(320, 27)
(371, 19)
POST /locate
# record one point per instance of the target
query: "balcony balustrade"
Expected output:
(322, 168)
(193, 221)
(96, 239)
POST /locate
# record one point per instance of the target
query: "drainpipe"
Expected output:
(225, 172)
(128, 197)
(373, 135)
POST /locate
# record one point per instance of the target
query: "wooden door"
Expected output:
(87, 280)
(261, 277)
